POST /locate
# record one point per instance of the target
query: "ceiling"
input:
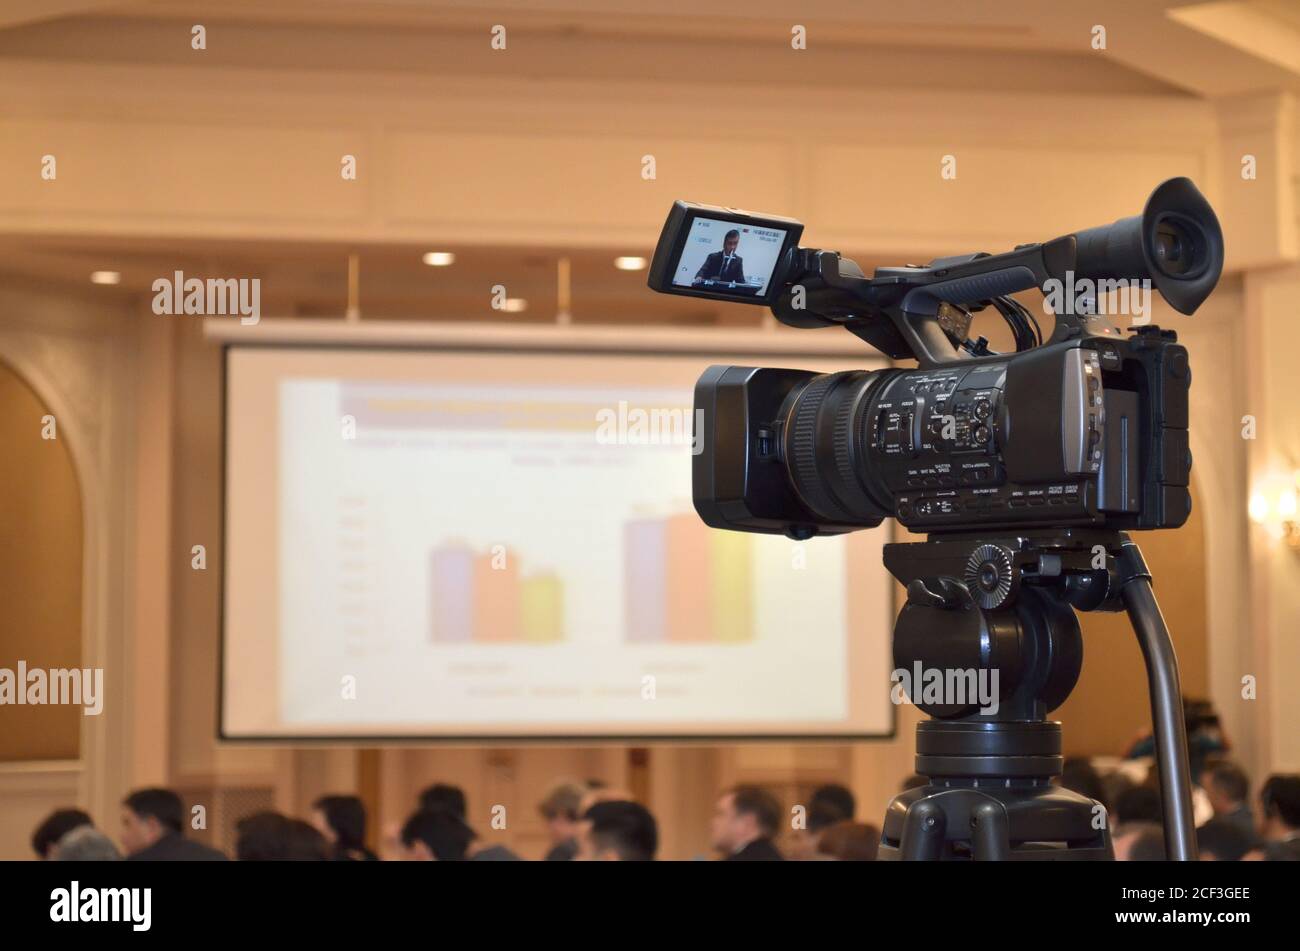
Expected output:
(1154, 48)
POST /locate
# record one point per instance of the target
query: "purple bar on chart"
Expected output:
(645, 595)
(451, 595)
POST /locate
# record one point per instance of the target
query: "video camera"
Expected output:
(1087, 428)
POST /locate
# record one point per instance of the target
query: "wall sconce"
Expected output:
(1274, 506)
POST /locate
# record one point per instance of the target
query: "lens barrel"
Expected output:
(824, 449)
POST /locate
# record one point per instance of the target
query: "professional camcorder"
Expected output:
(1087, 428)
(1025, 469)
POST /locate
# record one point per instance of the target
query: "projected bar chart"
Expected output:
(684, 583)
(481, 597)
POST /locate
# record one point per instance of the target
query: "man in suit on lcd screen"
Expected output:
(724, 265)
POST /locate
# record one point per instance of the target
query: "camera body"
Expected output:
(1088, 429)
(1089, 432)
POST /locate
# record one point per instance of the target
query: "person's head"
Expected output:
(849, 841)
(1128, 838)
(147, 816)
(262, 837)
(834, 798)
(445, 797)
(1079, 775)
(1148, 846)
(599, 792)
(436, 835)
(1222, 840)
(1279, 800)
(560, 810)
(58, 824)
(618, 831)
(1138, 804)
(730, 241)
(915, 781)
(821, 815)
(341, 820)
(85, 844)
(1227, 787)
(742, 815)
(303, 842)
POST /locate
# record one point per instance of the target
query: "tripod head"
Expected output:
(999, 609)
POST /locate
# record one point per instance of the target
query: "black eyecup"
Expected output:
(1127, 248)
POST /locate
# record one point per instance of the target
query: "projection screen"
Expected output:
(487, 544)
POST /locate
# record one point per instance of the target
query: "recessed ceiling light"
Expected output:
(105, 277)
(439, 258)
(629, 263)
(514, 305)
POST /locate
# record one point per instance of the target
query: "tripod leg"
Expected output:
(923, 832)
(990, 839)
(1166, 702)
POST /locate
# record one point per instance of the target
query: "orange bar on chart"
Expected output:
(689, 583)
(496, 598)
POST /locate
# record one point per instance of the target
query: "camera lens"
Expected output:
(824, 449)
(1175, 247)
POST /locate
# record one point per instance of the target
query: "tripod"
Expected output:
(1001, 607)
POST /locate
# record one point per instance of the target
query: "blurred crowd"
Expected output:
(591, 821)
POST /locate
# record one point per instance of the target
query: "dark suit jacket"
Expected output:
(177, 848)
(712, 267)
(760, 850)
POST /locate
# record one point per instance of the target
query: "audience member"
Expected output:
(451, 799)
(1279, 800)
(833, 796)
(803, 843)
(436, 835)
(85, 843)
(1223, 840)
(304, 843)
(342, 821)
(1079, 775)
(850, 841)
(1228, 789)
(617, 831)
(262, 837)
(444, 796)
(1125, 841)
(58, 824)
(745, 821)
(1138, 804)
(153, 829)
(560, 811)
(915, 781)
(1148, 845)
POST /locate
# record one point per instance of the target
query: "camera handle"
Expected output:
(897, 310)
(1170, 729)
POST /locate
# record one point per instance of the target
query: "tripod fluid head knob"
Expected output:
(990, 576)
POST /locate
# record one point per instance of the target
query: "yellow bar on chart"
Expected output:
(733, 586)
(542, 609)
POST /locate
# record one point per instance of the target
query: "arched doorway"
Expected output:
(41, 569)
